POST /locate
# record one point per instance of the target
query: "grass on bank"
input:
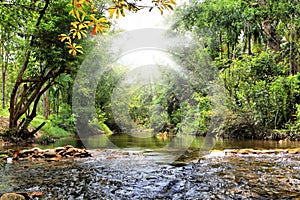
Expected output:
(49, 130)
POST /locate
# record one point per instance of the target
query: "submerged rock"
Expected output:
(256, 151)
(12, 196)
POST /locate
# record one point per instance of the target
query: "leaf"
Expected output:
(170, 7)
(16, 155)
(77, 14)
(122, 12)
(111, 11)
(117, 13)
(94, 30)
(93, 17)
(64, 37)
(161, 10)
(36, 194)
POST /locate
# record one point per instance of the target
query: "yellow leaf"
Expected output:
(77, 14)
(83, 34)
(117, 13)
(72, 13)
(111, 11)
(102, 20)
(81, 26)
(83, 16)
(173, 2)
(93, 17)
(64, 37)
(170, 7)
(161, 10)
(80, 51)
(74, 24)
(122, 12)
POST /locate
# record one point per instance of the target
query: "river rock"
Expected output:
(52, 154)
(294, 151)
(25, 153)
(59, 149)
(68, 147)
(12, 196)
(49, 153)
(256, 151)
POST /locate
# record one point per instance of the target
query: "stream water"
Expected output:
(140, 168)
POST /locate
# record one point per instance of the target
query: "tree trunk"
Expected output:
(228, 50)
(3, 86)
(271, 35)
(20, 104)
(292, 70)
(46, 105)
(4, 66)
(220, 43)
(249, 40)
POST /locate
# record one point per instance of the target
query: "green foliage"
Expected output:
(254, 45)
(242, 125)
(98, 122)
(260, 86)
(64, 119)
(4, 112)
(50, 129)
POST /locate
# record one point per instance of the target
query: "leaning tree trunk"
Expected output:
(20, 104)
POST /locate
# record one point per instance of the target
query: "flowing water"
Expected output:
(141, 168)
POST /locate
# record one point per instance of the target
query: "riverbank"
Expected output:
(48, 134)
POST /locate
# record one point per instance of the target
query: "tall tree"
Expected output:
(41, 57)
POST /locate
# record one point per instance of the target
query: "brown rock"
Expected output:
(37, 151)
(69, 146)
(53, 159)
(70, 151)
(111, 157)
(294, 151)
(59, 149)
(12, 196)
(49, 153)
(25, 153)
(244, 151)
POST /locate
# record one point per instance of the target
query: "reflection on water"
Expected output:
(152, 142)
(166, 149)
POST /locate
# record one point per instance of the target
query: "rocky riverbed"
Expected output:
(113, 174)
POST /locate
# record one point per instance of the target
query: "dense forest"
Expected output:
(254, 45)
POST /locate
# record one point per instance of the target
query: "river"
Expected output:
(142, 168)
